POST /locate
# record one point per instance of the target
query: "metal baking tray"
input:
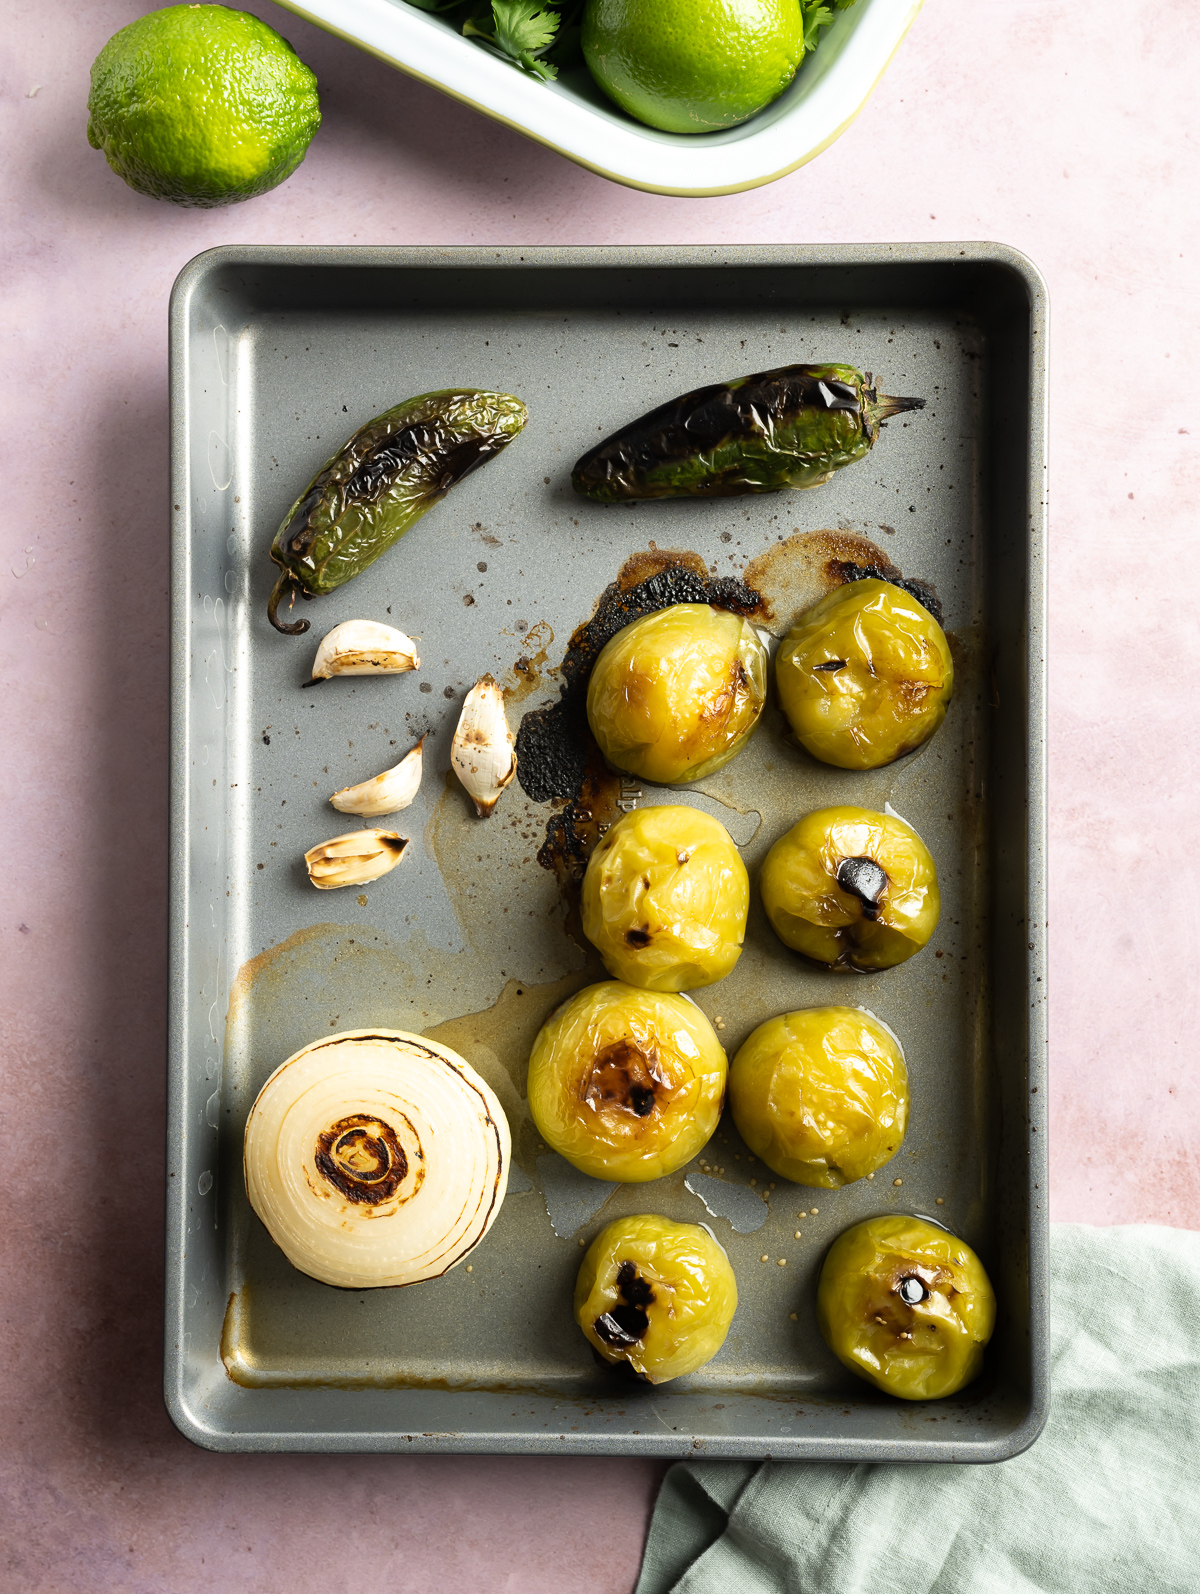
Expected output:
(277, 354)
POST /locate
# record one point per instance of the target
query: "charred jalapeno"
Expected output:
(380, 484)
(792, 427)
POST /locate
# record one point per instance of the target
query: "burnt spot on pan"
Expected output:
(557, 757)
(846, 570)
(801, 569)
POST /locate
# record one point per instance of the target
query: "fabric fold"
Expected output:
(1105, 1502)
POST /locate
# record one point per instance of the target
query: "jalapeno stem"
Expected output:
(881, 406)
(285, 584)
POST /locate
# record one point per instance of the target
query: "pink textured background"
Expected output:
(1063, 128)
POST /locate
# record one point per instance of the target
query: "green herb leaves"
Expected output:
(817, 15)
(522, 30)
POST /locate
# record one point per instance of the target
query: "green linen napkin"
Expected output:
(1107, 1501)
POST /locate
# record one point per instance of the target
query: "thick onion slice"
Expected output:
(376, 1157)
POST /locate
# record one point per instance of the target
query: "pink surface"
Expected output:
(1065, 129)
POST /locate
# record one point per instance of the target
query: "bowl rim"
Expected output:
(826, 96)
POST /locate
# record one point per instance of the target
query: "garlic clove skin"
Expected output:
(364, 647)
(482, 752)
(387, 793)
(354, 859)
(376, 1158)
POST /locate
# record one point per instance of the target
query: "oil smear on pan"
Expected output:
(744, 1207)
(572, 1198)
(497, 1043)
(332, 977)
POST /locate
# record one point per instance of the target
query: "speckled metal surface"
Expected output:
(277, 355)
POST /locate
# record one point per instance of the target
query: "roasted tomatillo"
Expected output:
(865, 675)
(821, 1095)
(906, 1306)
(656, 1294)
(665, 899)
(851, 887)
(626, 1084)
(676, 694)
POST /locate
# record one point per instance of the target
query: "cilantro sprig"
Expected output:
(816, 14)
(524, 31)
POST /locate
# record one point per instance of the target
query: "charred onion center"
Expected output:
(627, 1323)
(625, 1078)
(361, 1157)
(865, 879)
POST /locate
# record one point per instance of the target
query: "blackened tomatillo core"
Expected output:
(625, 1077)
(626, 1324)
(912, 1291)
(863, 878)
(361, 1157)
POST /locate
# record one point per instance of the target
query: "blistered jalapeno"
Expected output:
(626, 1084)
(790, 427)
(657, 1295)
(380, 484)
(865, 675)
(677, 694)
(665, 899)
(907, 1306)
(847, 886)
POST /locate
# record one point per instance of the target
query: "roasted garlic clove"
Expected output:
(665, 899)
(355, 858)
(657, 1295)
(364, 647)
(677, 694)
(849, 886)
(376, 1157)
(387, 793)
(626, 1084)
(907, 1306)
(482, 751)
(865, 675)
(821, 1095)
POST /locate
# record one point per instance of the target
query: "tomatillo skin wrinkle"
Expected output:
(626, 1084)
(865, 675)
(821, 1095)
(657, 1295)
(906, 1306)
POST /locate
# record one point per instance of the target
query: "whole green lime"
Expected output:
(691, 66)
(201, 105)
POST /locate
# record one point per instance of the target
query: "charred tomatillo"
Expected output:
(865, 675)
(657, 1295)
(907, 1306)
(848, 886)
(665, 899)
(675, 695)
(821, 1095)
(626, 1084)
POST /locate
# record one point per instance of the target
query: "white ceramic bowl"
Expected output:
(573, 117)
